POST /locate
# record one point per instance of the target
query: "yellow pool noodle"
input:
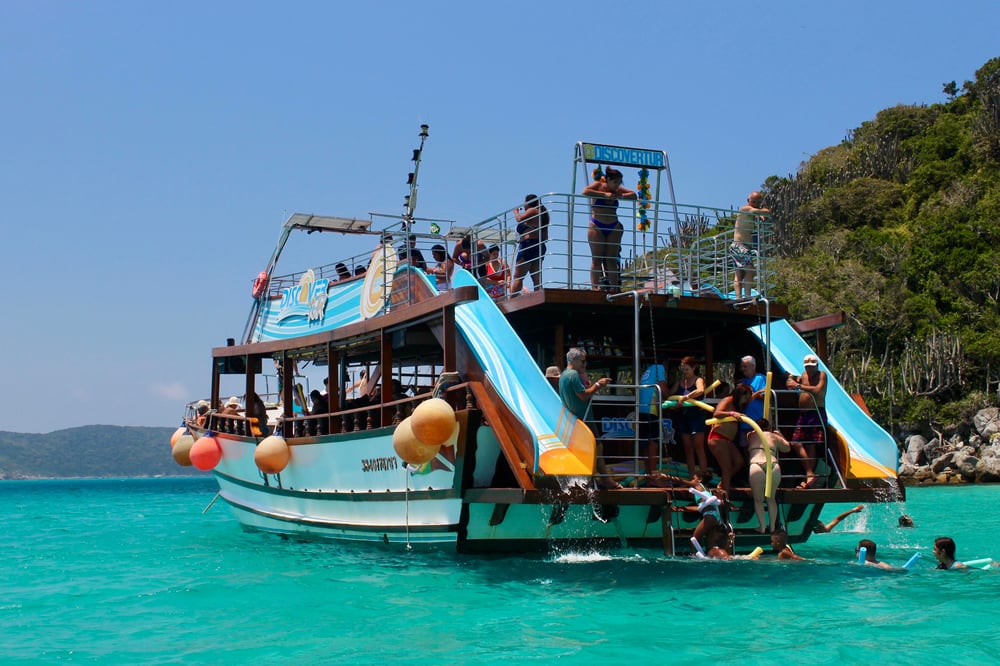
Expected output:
(767, 398)
(683, 399)
(760, 433)
(767, 444)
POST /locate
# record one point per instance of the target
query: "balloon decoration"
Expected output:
(205, 453)
(272, 454)
(642, 194)
(433, 421)
(182, 450)
(409, 447)
(177, 435)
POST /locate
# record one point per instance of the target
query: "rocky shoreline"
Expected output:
(964, 453)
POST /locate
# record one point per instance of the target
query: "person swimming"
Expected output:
(944, 551)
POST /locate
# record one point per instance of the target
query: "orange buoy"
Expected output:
(205, 453)
(182, 450)
(177, 435)
(410, 448)
(272, 454)
(433, 421)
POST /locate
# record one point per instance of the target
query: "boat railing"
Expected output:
(786, 411)
(352, 419)
(623, 433)
(355, 267)
(681, 249)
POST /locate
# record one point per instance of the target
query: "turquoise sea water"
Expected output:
(131, 571)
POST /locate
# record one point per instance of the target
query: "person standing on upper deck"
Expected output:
(532, 232)
(743, 249)
(810, 429)
(605, 231)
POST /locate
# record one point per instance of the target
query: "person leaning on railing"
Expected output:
(742, 250)
(532, 232)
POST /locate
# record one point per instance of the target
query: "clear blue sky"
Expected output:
(150, 151)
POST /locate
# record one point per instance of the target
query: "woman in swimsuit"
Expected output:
(757, 451)
(605, 231)
(496, 274)
(532, 232)
(722, 437)
(691, 422)
(442, 270)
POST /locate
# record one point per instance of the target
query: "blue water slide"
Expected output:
(563, 444)
(873, 452)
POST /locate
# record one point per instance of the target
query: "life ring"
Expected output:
(260, 284)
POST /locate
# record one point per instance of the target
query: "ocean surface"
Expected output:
(133, 572)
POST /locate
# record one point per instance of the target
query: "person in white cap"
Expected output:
(810, 429)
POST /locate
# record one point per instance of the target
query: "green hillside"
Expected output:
(899, 227)
(90, 451)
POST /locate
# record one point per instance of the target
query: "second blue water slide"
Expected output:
(873, 451)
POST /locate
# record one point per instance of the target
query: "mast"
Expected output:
(410, 202)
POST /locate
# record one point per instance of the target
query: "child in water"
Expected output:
(713, 506)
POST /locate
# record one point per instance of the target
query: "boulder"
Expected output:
(914, 453)
(987, 421)
(988, 470)
(956, 462)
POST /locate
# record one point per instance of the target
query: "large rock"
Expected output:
(988, 470)
(987, 421)
(958, 462)
(914, 453)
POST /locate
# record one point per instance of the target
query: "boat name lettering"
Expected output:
(307, 300)
(593, 152)
(379, 464)
(617, 426)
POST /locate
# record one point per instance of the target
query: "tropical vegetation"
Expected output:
(899, 227)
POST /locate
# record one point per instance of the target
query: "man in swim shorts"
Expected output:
(743, 250)
(810, 429)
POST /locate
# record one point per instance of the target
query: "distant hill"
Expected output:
(90, 451)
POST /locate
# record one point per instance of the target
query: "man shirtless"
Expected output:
(742, 250)
(810, 429)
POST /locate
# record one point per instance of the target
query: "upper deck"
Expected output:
(683, 254)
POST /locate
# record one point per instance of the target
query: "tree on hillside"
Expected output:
(898, 226)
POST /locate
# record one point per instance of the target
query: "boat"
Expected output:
(439, 427)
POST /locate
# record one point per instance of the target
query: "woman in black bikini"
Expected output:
(532, 232)
(605, 231)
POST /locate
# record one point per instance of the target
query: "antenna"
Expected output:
(411, 179)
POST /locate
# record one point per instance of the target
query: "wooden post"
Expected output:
(386, 344)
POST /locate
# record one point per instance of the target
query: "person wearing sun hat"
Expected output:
(810, 428)
(232, 407)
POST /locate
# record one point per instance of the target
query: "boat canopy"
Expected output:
(324, 223)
